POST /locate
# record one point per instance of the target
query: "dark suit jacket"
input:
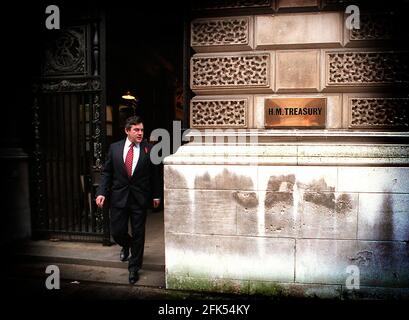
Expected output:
(142, 186)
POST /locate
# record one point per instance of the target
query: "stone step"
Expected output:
(77, 274)
(86, 254)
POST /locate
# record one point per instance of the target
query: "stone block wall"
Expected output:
(300, 53)
(288, 230)
(285, 212)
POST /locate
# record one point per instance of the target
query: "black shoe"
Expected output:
(123, 256)
(133, 277)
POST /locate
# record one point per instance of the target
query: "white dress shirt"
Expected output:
(135, 153)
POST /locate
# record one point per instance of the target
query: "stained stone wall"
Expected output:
(285, 212)
(293, 224)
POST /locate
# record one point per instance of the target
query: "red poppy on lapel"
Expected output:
(146, 150)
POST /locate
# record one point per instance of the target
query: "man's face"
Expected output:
(135, 134)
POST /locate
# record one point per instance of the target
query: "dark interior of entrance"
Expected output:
(144, 56)
(57, 114)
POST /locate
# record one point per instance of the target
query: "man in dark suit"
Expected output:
(130, 178)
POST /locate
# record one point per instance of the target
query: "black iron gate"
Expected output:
(69, 125)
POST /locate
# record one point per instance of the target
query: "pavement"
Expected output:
(88, 254)
(92, 271)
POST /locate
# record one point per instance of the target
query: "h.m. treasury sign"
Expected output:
(295, 112)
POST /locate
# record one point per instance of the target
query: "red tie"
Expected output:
(128, 160)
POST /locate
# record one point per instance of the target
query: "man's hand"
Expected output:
(156, 203)
(100, 201)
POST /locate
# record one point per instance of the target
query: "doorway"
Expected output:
(144, 49)
(79, 105)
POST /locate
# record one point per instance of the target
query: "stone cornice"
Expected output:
(297, 148)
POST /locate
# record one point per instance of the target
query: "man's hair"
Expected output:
(132, 121)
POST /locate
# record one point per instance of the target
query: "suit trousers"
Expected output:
(119, 231)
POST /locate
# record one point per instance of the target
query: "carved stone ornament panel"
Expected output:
(222, 31)
(367, 68)
(373, 27)
(219, 113)
(65, 54)
(230, 71)
(379, 112)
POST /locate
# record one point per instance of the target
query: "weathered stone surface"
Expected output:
(381, 179)
(325, 261)
(174, 178)
(383, 216)
(178, 214)
(200, 211)
(211, 177)
(288, 178)
(273, 217)
(272, 150)
(246, 199)
(232, 226)
(305, 215)
(352, 151)
(321, 261)
(233, 155)
(240, 179)
(281, 217)
(328, 215)
(303, 30)
(369, 155)
(375, 293)
(283, 183)
(297, 71)
(207, 284)
(294, 290)
(334, 112)
(230, 257)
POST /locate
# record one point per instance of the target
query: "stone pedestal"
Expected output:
(286, 212)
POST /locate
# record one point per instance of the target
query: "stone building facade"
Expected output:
(298, 211)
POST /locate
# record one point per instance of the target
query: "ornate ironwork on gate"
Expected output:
(69, 133)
